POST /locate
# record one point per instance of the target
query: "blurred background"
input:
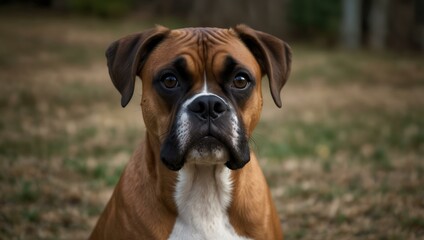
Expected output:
(343, 157)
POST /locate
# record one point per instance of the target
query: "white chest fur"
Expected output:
(203, 195)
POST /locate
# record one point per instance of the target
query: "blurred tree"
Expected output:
(351, 24)
(419, 15)
(309, 19)
(102, 8)
(378, 22)
(398, 24)
(402, 25)
(267, 15)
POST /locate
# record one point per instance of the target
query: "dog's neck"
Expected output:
(203, 194)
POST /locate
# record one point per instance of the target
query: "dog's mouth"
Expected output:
(207, 150)
(211, 148)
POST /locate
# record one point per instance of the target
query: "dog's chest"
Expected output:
(203, 195)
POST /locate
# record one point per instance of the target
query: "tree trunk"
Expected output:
(351, 24)
(378, 24)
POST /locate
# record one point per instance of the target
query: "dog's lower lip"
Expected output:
(208, 139)
(207, 143)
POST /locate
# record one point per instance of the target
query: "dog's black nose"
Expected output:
(206, 107)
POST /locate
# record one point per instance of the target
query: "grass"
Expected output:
(362, 138)
(343, 156)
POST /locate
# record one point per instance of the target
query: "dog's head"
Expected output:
(201, 93)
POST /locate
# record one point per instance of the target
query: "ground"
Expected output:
(343, 157)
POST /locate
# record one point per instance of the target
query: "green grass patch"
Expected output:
(29, 192)
(103, 172)
(78, 165)
(414, 223)
(342, 219)
(340, 67)
(368, 139)
(296, 234)
(112, 179)
(31, 215)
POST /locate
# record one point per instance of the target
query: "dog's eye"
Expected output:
(240, 81)
(169, 81)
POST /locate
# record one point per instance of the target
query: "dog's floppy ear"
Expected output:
(126, 57)
(272, 54)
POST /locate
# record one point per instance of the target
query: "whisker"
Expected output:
(254, 144)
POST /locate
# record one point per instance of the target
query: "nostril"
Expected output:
(198, 107)
(219, 107)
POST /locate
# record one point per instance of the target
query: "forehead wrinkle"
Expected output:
(218, 36)
(195, 43)
(181, 36)
(211, 38)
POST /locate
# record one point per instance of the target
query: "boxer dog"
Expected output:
(195, 176)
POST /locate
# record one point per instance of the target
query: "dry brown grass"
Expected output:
(343, 157)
